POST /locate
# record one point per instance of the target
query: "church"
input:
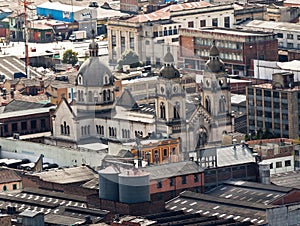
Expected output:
(96, 115)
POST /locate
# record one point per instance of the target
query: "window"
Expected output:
(280, 35)
(290, 45)
(298, 37)
(5, 128)
(113, 40)
(278, 164)
(271, 166)
(172, 182)
(155, 34)
(4, 188)
(191, 24)
(24, 125)
(227, 22)
(183, 179)
(296, 152)
(214, 22)
(287, 162)
(196, 178)
(33, 124)
(14, 127)
(202, 23)
(15, 187)
(159, 184)
(131, 40)
(147, 42)
(290, 36)
(165, 152)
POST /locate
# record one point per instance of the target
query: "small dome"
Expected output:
(94, 73)
(169, 71)
(214, 51)
(214, 63)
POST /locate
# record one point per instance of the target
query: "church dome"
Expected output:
(169, 70)
(214, 63)
(94, 73)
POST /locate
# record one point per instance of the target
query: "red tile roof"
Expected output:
(7, 175)
(164, 13)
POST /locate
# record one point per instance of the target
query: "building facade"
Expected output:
(150, 34)
(237, 48)
(274, 107)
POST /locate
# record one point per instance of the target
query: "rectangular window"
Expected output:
(131, 43)
(24, 125)
(191, 24)
(287, 162)
(298, 37)
(172, 182)
(155, 34)
(113, 40)
(33, 124)
(271, 166)
(290, 45)
(15, 187)
(14, 127)
(165, 152)
(278, 164)
(159, 184)
(183, 179)
(227, 22)
(43, 123)
(290, 36)
(280, 35)
(202, 23)
(214, 22)
(196, 178)
(296, 152)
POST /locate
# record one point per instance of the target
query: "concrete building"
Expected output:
(150, 34)
(237, 48)
(274, 107)
(288, 34)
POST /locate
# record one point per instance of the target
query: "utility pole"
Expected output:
(25, 3)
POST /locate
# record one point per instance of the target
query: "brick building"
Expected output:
(237, 48)
(274, 107)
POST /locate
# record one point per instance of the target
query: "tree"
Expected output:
(70, 57)
(129, 57)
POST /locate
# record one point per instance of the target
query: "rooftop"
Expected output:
(7, 176)
(272, 25)
(288, 179)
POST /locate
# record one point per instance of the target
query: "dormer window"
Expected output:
(79, 80)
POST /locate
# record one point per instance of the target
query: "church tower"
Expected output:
(170, 102)
(216, 96)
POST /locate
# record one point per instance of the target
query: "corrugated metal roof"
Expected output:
(172, 170)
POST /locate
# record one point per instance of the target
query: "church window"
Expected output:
(222, 102)
(208, 105)
(105, 80)
(64, 128)
(108, 95)
(104, 95)
(79, 80)
(177, 111)
(162, 111)
(82, 130)
(88, 130)
(85, 130)
(90, 96)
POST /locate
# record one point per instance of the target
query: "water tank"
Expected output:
(134, 186)
(108, 184)
(264, 172)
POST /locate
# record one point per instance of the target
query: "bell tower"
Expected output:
(216, 96)
(170, 101)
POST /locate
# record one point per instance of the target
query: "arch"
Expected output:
(108, 95)
(4, 188)
(208, 104)
(68, 130)
(79, 80)
(222, 102)
(201, 137)
(104, 95)
(61, 129)
(162, 111)
(176, 110)
(97, 129)
(90, 97)
(82, 130)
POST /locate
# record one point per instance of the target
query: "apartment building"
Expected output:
(274, 107)
(237, 48)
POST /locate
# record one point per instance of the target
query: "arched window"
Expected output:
(177, 111)
(82, 131)
(207, 104)
(97, 129)
(88, 129)
(4, 188)
(68, 130)
(105, 80)
(162, 111)
(108, 95)
(65, 127)
(222, 102)
(85, 130)
(104, 95)
(61, 129)
(90, 96)
(79, 80)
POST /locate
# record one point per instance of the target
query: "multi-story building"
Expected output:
(237, 48)
(150, 34)
(288, 34)
(274, 107)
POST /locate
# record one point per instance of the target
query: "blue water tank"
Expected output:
(108, 184)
